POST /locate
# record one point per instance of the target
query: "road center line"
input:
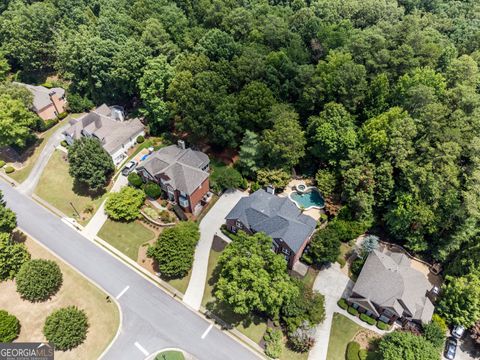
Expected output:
(204, 335)
(141, 348)
(122, 292)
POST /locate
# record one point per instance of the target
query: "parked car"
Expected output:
(450, 348)
(458, 331)
(129, 168)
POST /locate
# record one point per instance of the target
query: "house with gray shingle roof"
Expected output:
(181, 172)
(107, 124)
(277, 217)
(389, 288)
(47, 103)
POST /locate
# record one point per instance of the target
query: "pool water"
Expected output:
(311, 198)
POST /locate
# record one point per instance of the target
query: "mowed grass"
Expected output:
(22, 174)
(126, 236)
(251, 326)
(342, 332)
(180, 284)
(103, 316)
(56, 187)
(170, 355)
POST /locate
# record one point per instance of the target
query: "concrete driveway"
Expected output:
(334, 284)
(28, 186)
(97, 221)
(209, 225)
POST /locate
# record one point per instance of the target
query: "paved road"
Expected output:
(97, 221)
(209, 225)
(30, 183)
(151, 319)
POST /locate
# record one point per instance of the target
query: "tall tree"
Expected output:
(16, 121)
(252, 277)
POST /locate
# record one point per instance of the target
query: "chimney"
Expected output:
(270, 189)
(181, 144)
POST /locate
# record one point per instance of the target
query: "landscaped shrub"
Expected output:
(77, 103)
(125, 204)
(273, 343)
(341, 260)
(434, 333)
(66, 328)
(357, 265)
(383, 326)
(255, 186)
(62, 115)
(223, 178)
(352, 311)
(175, 248)
(343, 304)
(363, 354)
(135, 180)
(166, 217)
(151, 213)
(353, 349)
(9, 169)
(2, 163)
(140, 139)
(64, 143)
(368, 319)
(44, 125)
(9, 327)
(303, 338)
(38, 279)
(152, 190)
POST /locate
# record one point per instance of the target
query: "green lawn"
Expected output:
(180, 284)
(170, 355)
(56, 187)
(310, 277)
(22, 174)
(288, 354)
(342, 332)
(251, 326)
(126, 237)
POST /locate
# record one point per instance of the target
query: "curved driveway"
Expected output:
(151, 319)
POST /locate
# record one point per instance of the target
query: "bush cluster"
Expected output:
(152, 190)
(273, 343)
(352, 311)
(2, 163)
(39, 279)
(9, 169)
(66, 328)
(368, 319)
(9, 327)
(135, 180)
(44, 125)
(62, 115)
(64, 143)
(140, 139)
(382, 326)
(342, 303)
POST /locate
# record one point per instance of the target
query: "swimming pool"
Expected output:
(309, 199)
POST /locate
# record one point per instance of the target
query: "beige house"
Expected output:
(47, 103)
(108, 125)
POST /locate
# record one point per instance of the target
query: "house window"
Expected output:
(355, 305)
(384, 319)
(183, 201)
(368, 313)
(238, 224)
(286, 251)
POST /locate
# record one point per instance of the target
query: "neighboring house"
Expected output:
(278, 217)
(47, 103)
(107, 124)
(389, 288)
(182, 173)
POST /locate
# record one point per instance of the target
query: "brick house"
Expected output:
(181, 172)
(389, 289)
(277, 217)
(47, 103)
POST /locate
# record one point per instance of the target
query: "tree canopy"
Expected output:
(252, 277)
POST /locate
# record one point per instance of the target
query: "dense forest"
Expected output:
(377, 98)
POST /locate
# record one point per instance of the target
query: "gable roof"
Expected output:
(178, 167)
(388, 280)
(112, 133)
(278, 217)
(41, 95)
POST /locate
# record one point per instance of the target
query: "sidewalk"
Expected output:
(210, 225)
(97, 221)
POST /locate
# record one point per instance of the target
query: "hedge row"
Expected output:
(383, 326)
(368, 319)
(352, 311)
(342, 303)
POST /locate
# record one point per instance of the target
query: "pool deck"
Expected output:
(314, 213)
